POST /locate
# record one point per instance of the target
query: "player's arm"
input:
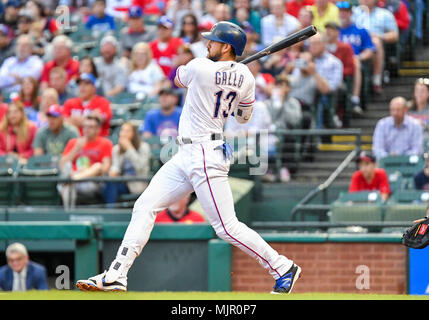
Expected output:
(244, 109)
(178, 79)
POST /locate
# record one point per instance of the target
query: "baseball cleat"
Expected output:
(98, 283)
(285, 283)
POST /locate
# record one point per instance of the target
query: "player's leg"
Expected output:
(167, 186)
(214, 194)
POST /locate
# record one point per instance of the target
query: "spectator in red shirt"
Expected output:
(85, 157)
(152, 7)
(62, 47)
(179, 212)
(75, 109)
(164, 48)
(369, 177)
(293, 7)
(17, 133)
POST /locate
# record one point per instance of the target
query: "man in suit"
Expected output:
(21, 274)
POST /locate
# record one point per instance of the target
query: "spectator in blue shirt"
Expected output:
(421, 178)
(163, 122)
(383, 29)
(363, 48)
(100, 22)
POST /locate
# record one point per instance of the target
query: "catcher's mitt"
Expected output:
(417, 236)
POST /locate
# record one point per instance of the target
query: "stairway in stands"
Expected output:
(329, 156)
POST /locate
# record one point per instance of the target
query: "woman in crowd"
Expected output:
(17, 133)
(418, 106)
(130, 157)
(146, 76)
(29, 96)
(86, 65)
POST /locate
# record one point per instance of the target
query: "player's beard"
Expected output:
(214, 57)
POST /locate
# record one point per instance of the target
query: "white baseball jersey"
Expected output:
(215, 89)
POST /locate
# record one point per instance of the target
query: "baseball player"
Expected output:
(216, 87)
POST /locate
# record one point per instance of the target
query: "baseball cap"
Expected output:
(55, 111)
(166, 22)
(346, 5)
(87, 77)
(366, 156)
(13, 3)
(135, 12)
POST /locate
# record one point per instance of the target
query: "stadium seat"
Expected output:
(396, 182)
(361, 212)
(37, 192)
(8, 191)
(404, 212)
(408, 166)
(155, 150)
(360, 197)
(410, 196)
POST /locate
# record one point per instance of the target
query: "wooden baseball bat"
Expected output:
(282, 44)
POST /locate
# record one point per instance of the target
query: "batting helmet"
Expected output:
(230, 33)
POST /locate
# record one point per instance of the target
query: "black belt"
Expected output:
(213, 137)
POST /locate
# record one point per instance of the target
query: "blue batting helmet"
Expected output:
(230, 33)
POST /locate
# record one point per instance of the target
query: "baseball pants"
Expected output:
(199, 168)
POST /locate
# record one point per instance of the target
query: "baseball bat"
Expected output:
(282, 44)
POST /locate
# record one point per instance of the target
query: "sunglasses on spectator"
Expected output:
(344, 5)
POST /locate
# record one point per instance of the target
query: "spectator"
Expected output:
(99, 22)
(7, 45)
(25, 22)
(363, 49)
(222, 12)
(421, 178)
(29, 96)
(397, 134)
(52, 139)
(331, 69)
(179, 212)
(324, 11)
(278, 23)
(286, 113)
(152, 7)
(293, 7)
(383, 29)
(58, 81)
(11, 12)
(402, 17)
(48, 98)
(164, 48)
(84, 157)
(177, 9)
(252, 44)
(146, 75)
(20, 273)
(111, 72)
(130, 157)
(62, 47)
(305, 18)
(209, 9)
(17, 133)
(264, 82)
(253, 16)
(86, 65)
(118, 8)
(184, 55)
(369, 177)
(88, 102)
(22, 65)
(419, 105)
(191, 35)
(344, 52)
(44, 28)
(163, 122)
(135, 32)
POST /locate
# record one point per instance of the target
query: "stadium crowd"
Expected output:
(63, 80)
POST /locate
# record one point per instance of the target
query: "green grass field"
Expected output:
(76, 295)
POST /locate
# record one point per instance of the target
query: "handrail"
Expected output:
(327, 224)
(325, 185)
